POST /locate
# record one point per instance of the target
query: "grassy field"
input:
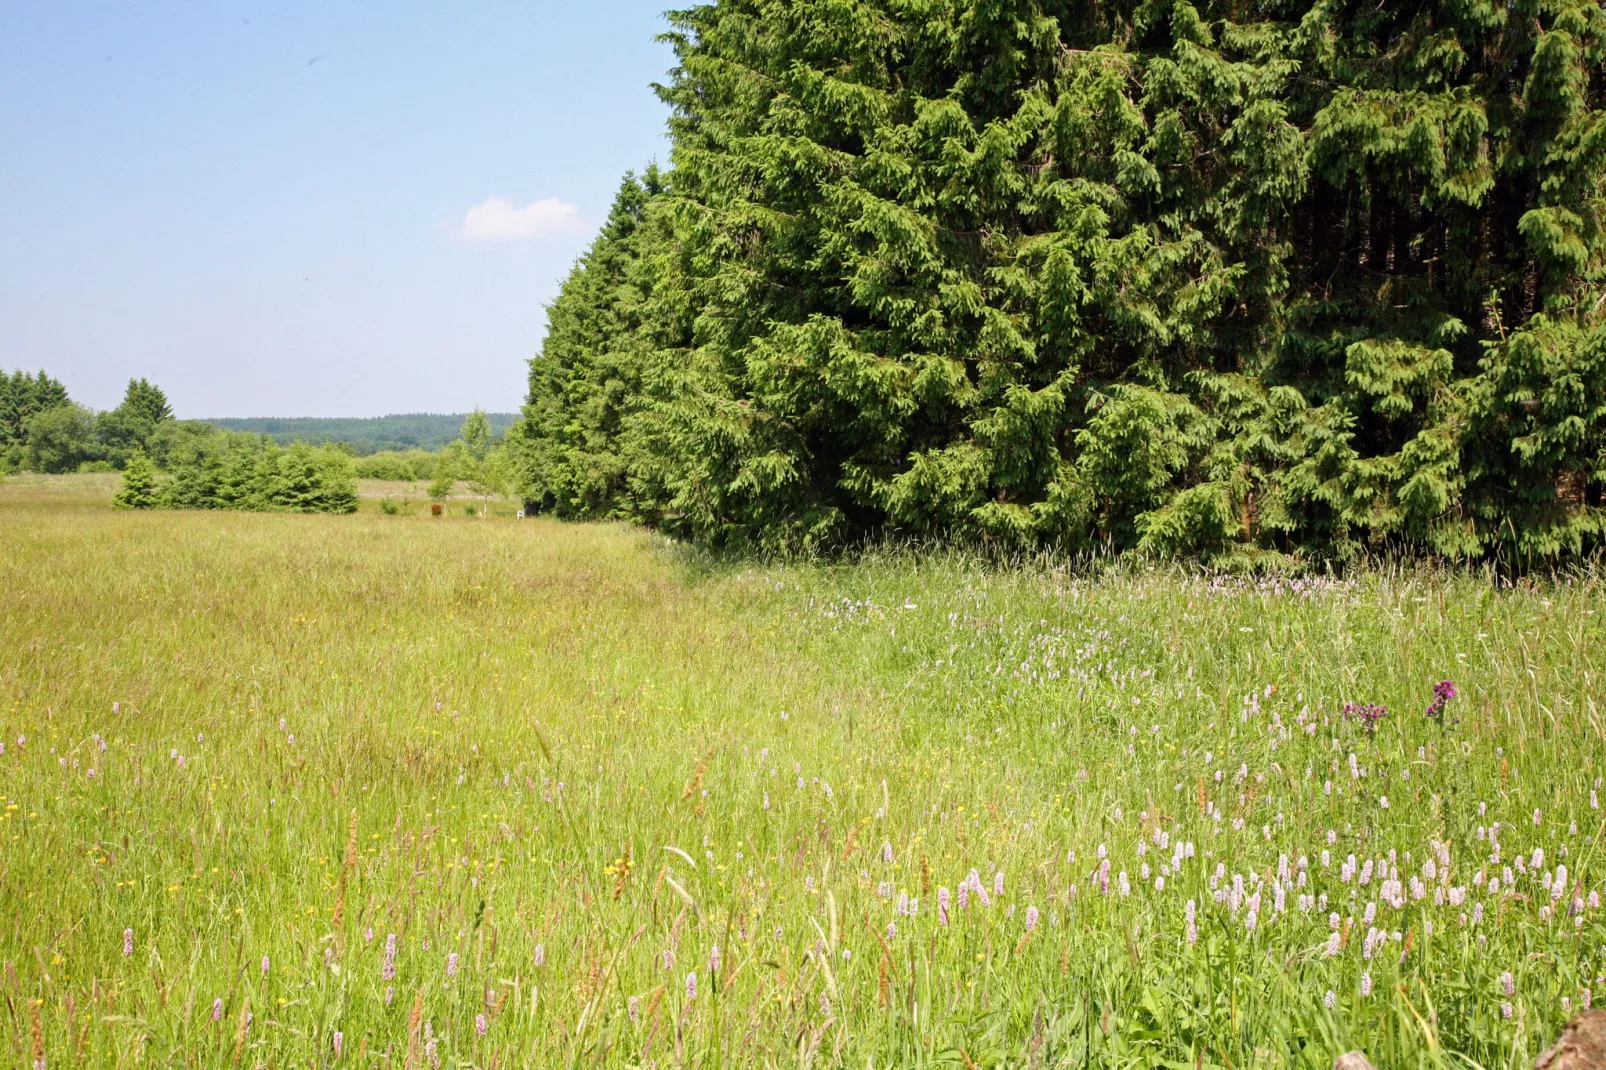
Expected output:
(394, 791)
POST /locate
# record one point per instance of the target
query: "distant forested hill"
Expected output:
(414, 430)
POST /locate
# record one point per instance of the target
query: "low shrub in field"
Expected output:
(410, 466)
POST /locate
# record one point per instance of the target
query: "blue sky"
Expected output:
(308, 207)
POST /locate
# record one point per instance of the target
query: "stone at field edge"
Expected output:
(1353, 1060)
(1581, 1046)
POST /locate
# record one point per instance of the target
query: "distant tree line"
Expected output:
(404, 433)
(166, 463)
(1237, 281)
(44, 430)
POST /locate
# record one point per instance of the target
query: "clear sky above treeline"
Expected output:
(309, 207)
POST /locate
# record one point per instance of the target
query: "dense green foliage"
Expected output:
(21, 396)
(43, 430)
(252, 472)
(139, 490)
(398, 465)
(1279, 278)
(411, 431)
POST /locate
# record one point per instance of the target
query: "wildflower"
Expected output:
(1031, 918)
(1505, 1010)
(886, 853)
(1443, 692)
(691, 986)
(633, 1009)
(942, 906)
(540, 955)
(390, 994)
(1190, 919)
(451, 964)
(1508, 984)
(217, 1009)
(480, 1024)
(340, 1042)
(1366, 984)
(1330, 1000)
(713, 960)
(1369, 714)
(387, 970)
(264, 965)
(669, 959)
(998, 883)
(128, 942)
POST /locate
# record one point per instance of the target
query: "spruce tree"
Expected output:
(139, 483)
(1279, 279)
(587, 383)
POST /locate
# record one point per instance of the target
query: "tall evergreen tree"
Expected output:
(1284, 277)
(587, 382)
(134, 424)
(21, 396)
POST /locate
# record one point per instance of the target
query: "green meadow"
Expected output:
(404, 791)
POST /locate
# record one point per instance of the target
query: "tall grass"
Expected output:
(561, 765)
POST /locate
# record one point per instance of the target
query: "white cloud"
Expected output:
(497, 219)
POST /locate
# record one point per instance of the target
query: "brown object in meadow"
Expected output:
(1581, 1046)
(1353, 1060)
(435, 509)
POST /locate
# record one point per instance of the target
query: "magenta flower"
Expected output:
(1443, 692)
(1369, 714)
